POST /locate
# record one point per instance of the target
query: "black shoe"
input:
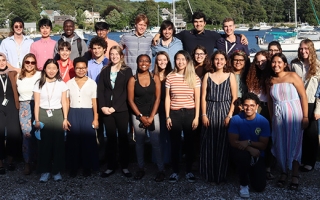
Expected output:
(2, 170)
(160, 176)
(126, 174)
(11, 167)
(86, 172)
(139, 174)
(105, 175)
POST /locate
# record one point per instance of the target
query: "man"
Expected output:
(230, 42)
(16, 46)
(137, 42)
(43, 48)
(198, 35)
(98, 47)
(248, 135)
(78, 45)
(102, 30)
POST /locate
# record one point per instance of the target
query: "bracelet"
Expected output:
(229, 116)
(167, 118)
(204, 115)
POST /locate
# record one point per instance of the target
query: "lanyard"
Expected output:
(50, 97)
(61, 67)
(4, 85)
(65, 72)
(227, 51)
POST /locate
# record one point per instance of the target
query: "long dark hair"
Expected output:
(23, 68)
(42, 80)
(168, 68)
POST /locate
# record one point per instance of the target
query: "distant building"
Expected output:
(58, 20)
(92, 16)
(167, 15)
(50, 13)
(30, 27)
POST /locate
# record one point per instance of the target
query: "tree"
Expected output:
(149, 8)
(24, 9)
(80, 18)
(110, 8)
(4, 12)
(113, 18)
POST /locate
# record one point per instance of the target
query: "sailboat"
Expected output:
(288, 44)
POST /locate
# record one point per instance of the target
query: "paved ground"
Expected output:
(14, 185)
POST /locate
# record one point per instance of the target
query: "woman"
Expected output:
(288, 107)
(274, 47)
(259, 72)
(237, 63)
(218, 92)
(25, 83)
(112, 99)
(182, 105)
(307, 66)
(10, 133)
(82, 147)
(144, 98)
(162, 68)
(167, 42)
(200, 60)
(51, 109)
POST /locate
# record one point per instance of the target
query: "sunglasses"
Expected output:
(18, 26)
(30, 62)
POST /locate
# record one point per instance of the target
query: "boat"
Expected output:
(254, 28)
(305, 27)
(312, 35)
(241, 27)
(264, 26)
(154, 30)
(287, 44)
(283, 27)
(80, 33)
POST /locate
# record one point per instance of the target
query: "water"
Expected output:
(249, 34)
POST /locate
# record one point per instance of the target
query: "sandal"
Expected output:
(282, 181)
(294, 186)
(269, 175)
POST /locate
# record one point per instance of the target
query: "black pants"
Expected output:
(9, 121)
(117, 121)
(182, 121)
(310, 140)
(255, 174)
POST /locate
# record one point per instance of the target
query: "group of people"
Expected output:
(66, 98)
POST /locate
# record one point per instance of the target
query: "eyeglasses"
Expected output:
(274, 50)
(260, 62)
(144, 61)
(199, 54)
(30, 62)
(82, 68)
(248, 106)
(238, 60)
(17, 26)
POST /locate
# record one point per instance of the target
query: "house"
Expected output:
(50, 13)
(58, 20)
(92, 16)
(167, 15)
(30, 27)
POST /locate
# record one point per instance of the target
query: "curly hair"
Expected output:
(312, 57)
(212, 68)
(256, 78)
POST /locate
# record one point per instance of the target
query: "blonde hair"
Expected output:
(121, 63)
(312, 57)
(189, 72)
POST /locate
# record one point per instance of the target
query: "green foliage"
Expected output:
(4, 12)
(113, 17)
(25, 9)
(80, 18)
(149, 8)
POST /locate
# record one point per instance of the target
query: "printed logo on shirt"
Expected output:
(257, 131)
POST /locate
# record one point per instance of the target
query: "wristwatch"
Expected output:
(139, 116)
(249, 142)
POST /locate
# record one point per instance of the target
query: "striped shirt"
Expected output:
(134, 46)
(181, 95)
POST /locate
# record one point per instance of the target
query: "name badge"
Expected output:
(5, 102)
(49, 113)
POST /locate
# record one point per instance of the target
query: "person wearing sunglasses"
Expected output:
(43, 48)
(17, 45)
(249, 133)
(10, 133)
(25, 83)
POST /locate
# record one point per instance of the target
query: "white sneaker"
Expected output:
(57, 177)
(173, 178)
(190, 177)
(244, 191)
(44, 177)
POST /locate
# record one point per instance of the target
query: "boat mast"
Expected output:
(295, 13)
(174, 13)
